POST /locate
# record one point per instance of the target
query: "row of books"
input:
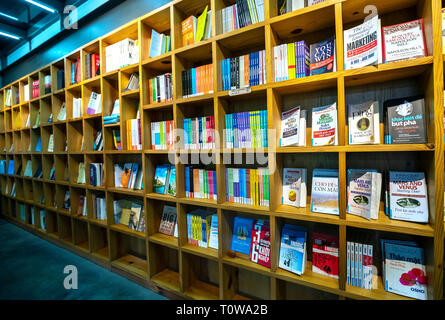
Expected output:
(117, 139)
(246, 129)
(162, 135)
(114, 117)
(197, 81)
(129, 213)
(97, 176)
(160, 88)
(99, 207)
(248, 186)
(121, 54)
(200, 183)
(159, 44)
(82, 206)
(128, 175)
(241, 14)
(199, 133)
(244, 71)
(359, 271)
(75, 72)
(165, 179)
(134, 141)
(202, 229)
(77, 108)
(194, 30)
(92, 65)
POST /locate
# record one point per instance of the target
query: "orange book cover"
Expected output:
(208, 67)
(167, 125)
(195, 181)
(150, 90)
(211, 78)
(246, 70)
(188, 36)
(198, 79)
(125, 177)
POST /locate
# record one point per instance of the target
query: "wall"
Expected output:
(70, 40)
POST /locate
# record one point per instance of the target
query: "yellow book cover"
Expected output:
(125, 217)
(291, 61)
(443, 30)
(201, 25)
(17, 122)
(257, 193)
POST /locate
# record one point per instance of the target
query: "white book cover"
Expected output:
(118, 171)
(324, 125)
(294, 187)
(361, 44)
(26, 92)
(290, 123)
(324, 196)
(303, 127)
(362, 129)
(360, 193)
(376, 194)
(408, 196)
(51, 143)
(62, 113)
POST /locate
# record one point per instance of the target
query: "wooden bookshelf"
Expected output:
(172, 264)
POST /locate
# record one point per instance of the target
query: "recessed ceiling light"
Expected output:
(8, 16)
(9, 35)
(41, 5)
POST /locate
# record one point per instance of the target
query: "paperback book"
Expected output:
(364, 123)
(242, 234)
(260, 245)
(294, 187)
(324, 125)
(293, 249)
(324, 197)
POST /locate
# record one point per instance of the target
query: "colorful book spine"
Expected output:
(160, 88)
(200, 183)
(248, 186)
(162, 135)
(244, 71)
(199, 133)
(197, 81)
(246, 130)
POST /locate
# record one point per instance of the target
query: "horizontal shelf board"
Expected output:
(199, 98)
(385, 72)
(158, 105)
(384, 223)
(310, 279)
(101, 253)
(95, 81)
(165, 240)
(102, 223)
(150, 151)
(374, 294)
(256, 91)
(162, 62)
(244, 150)
(306, 84)
(125, 229)
(245, 208)
(110, 125)
(167, 278)
(251, 36)
(123, 151)
(289, 212)
(80, 218)
(201, 290)
(388, 147)
(132, 264)
(246, 264)
(84, 246)
(64, 212)
(209, 253)
(199, 202)
(139, 193)
(158, 196)
(308, 149)
(196, 52)
(190, 151)
(131, 93)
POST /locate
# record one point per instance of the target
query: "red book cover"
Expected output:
(78, 70)
(260, 243)
(325, 254)
(210, 179)
(95, 64)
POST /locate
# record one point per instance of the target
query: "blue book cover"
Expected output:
(250, 69)
(193, 80)
(322, 56)
(160, 179)
(22, 212)
(171, 190)
(187, 180)
(293, 248)
(405, 271)
(11, 167)
(2, 166)
(234, 126)
(324, 196)
(242, 233)
(215, 191)
(227, 184)
(42, 220)
(133, 175)
(155, 44)
(39, 145)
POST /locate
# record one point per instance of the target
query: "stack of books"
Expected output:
(99, 207)
(98, 142)
(242, 14)
(162, 135)
(199, 225)
(82, 206)
(200, 183)
(159, 44)
(286, 6)
(160, 88)
(199, 133)
(246, 129)
(194, 29)
(293, 128)
(47, 82)
(197, 81)
(92, 65)
(244, 71)
(248, 186)
(359, 264)
(77, 108)
(128, 175)
(325, 254)
(121, 54)
(364, 190)
(324, 196)
(294, 187)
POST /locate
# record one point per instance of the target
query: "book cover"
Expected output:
(324, 125)
(290, 122)
(242, 232)
(364, 123)
(172, 182)
(294, 187)
(213, 235)
(359, 193)
(188, 31)
(325, 254)
(405, 270)
(322, 57)
(324, 197)
(361, 44)
(404, 41)
(406, 121)
(135, 215)
(408, 196)
(293, 249)
(126, 174)
(260, 243)
(160, 178)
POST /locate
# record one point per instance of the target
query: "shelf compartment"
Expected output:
(65, 229)
(201, 277)
(155, 208)
(286, 290)
(128, 253)
(164, 266)
(99, 241)
(80, 235)
(243, 284)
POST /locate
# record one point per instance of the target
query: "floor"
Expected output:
(32, 268)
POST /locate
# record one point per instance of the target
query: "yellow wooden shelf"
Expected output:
(125, 229)
(164, 240)
(209, 253)
(167, 279)
(132, 264)
(201, 290)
